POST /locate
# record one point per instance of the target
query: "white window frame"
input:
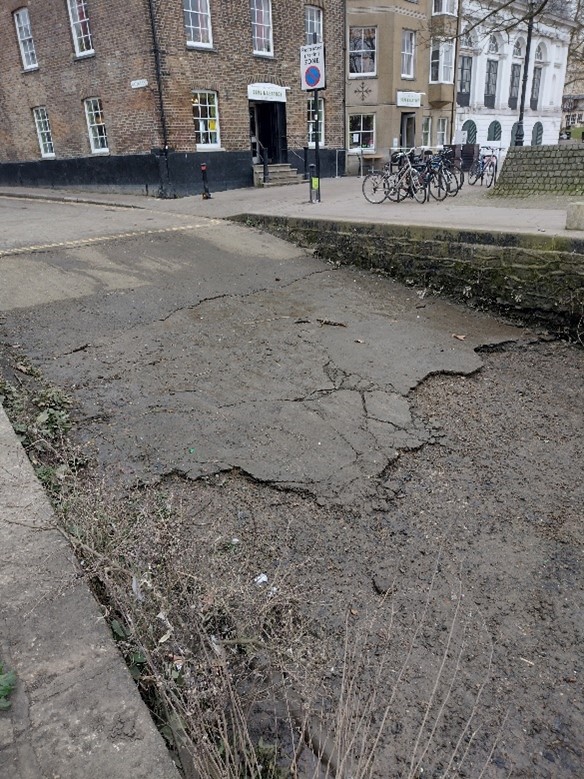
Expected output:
(442, 131)
(96, 126)
(313, 24)
(261, 27)
(362, 52)
(449, 7)
(209, 115)
(80, 29)
(310, 122)
(25, 39)
(197, 21)
(44, 135)
(408, 54)
(427, 131)
(357, 149)
(445, 49)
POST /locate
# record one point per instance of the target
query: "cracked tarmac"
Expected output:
(215, 347)
(202, 351)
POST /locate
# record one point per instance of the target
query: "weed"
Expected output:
(7, 685)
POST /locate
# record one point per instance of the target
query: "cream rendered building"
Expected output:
(395, 96)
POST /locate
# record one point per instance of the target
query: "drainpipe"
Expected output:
(345, 124)
(165, 188)
(455, 79)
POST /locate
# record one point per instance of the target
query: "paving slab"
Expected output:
(76, 713)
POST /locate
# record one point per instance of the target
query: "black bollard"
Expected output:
(206, 193)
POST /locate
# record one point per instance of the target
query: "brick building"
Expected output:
(137, 94)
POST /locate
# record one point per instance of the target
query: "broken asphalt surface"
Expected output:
(421, 457)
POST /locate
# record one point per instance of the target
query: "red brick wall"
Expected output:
(124, 52)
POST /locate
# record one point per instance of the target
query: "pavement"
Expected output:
(52, 632)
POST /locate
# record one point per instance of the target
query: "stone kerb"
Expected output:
(575, 216)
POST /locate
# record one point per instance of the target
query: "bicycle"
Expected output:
(485, 168)
(387, 184)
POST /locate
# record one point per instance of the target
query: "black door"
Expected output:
(270, 126)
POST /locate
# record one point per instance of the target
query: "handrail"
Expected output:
(262, 149)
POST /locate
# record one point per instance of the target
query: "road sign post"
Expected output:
(313, 79)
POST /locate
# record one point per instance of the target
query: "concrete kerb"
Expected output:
(575, 216)
(76, 712)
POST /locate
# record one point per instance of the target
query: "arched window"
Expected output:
(537, 78)
(493, 45)
(466, 39)
(494, 131)
(470, 128)
(514, 134)
(518, 48)
(537, 134)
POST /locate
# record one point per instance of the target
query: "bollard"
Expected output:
(314, 184)
(206, 193)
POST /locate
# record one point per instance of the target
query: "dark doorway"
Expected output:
(268, 131)
(408, 131)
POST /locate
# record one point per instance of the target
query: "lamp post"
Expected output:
(520, 133)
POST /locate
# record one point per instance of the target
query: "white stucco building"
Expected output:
(490, 66)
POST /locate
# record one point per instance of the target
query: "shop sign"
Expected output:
(409, 99)
(266, 92)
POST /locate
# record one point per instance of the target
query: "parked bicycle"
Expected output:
(398, 179)
(484, 168)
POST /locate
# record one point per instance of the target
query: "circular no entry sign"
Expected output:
(312, 76)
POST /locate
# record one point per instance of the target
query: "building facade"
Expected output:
(397, 95)
(491, 61)
(434, 72)
(138, 94)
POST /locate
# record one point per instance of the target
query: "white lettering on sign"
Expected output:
(140, 83)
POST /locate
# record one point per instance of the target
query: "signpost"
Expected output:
(313, 79)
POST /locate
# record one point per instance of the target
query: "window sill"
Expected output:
(364, 152)
(48, 156)
(443, 13)
(202, 147)
(362, 75)
(407, 78)
(30, 70)
(201, 47)
(100, 152)
(84, 55)
(264, 55)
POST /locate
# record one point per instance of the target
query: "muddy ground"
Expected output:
(439, 525)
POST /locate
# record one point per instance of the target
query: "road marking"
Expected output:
(98, 239)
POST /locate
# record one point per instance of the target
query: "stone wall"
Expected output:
(536, 279)
(529, 170)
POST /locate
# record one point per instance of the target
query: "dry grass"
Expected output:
(239, 672)
(252, 663)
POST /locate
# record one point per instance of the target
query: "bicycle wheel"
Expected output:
(474, 173)
(392, 187)
(438, 186)
(373, 188)
(490, 173)
(418, 186)
(456, 181)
